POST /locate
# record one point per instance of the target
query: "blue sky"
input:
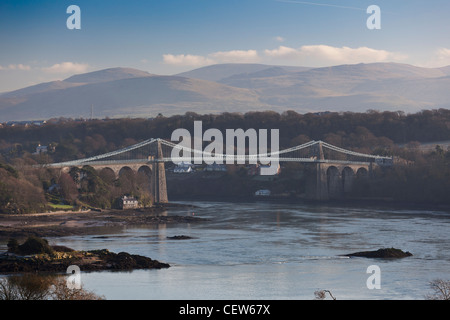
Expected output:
(171, 36)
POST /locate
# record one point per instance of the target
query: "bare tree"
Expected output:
(36, 287)
(322, 294)
(60, 291)
(441, 290)
(25, 287)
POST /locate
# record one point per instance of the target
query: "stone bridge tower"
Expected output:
(333, 180)
(159, 178)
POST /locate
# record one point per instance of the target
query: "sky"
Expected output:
(171, 36)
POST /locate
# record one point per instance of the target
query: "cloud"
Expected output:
(186, 60)
(324, 54)
(67, 67)
(233, 56)
(308, 55)
(280, 39)
(237, 56)
(16, 67)
(283, 52)
(442, 57)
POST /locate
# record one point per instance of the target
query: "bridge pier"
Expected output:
(159, 178)
(333, 180)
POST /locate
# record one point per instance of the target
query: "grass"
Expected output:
(60, 206)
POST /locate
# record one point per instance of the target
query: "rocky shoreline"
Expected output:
(59, 224)
(36, 255)
(95, 260)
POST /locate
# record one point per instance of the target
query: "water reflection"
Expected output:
(275, 251)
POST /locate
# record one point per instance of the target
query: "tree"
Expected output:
(38, 287)
(321, 294)
(68, 188)
(25, 287)
(60, 291)
(441, 290)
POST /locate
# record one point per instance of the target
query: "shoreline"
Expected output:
(350, 202)
(66, 223)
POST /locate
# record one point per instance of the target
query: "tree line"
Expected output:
(422, 177)
(71, 139)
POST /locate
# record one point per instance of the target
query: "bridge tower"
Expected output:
(159, 177)
(321, 174)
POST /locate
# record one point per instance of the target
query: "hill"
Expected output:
(126, 92)
(121, 93)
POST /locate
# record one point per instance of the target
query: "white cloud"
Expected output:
(283, 52)
(324, 54)
(233, 56)
(186, 60)
(236, 56)
(67, 67)
(280, 39)
(308, 55)
(16, 67)
(442, 57)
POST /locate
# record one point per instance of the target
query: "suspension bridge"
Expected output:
(335, 167)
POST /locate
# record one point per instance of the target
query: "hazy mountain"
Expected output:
(108, 75)
(121, 92)
(218, 72)
(383, 86)
(129, 96)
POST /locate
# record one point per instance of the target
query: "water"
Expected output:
(263, 250)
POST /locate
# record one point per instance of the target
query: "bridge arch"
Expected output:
(334, 182)
(347, 179)
(108, 174)
(125, 171)
(144, 177)
(145, 169)
(362, 173)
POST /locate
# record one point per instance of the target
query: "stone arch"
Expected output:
(108, 174)
(347, 179)
(334, 182)
(126, 180)
(144, 178)
(125, 171)
(362, 182)
(362, 173)
(147, 170)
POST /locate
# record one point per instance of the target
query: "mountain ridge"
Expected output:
(128, 92)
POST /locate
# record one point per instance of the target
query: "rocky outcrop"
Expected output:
(384, 253)
(180, 237)
(35, 255)
(96, 260)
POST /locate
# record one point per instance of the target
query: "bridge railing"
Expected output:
(199, 156)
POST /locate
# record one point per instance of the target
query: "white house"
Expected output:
(129, 202)
(41, 149)
(216, 167)
(183, 167)
(262, 193)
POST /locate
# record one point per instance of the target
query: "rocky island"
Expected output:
(383, 253)
(36, 255)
